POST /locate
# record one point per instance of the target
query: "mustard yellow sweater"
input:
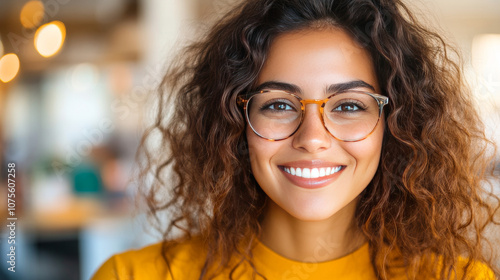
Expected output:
(187, 258)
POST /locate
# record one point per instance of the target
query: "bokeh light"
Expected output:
(49, 38)
(9, 67)
(32, 14)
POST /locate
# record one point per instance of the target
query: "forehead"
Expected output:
(317, 56)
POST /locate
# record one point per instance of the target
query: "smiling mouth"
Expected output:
(311, 172)
(312, 177)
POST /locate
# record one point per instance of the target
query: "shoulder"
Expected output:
(472, 270)
(475, 270)
(149, 263)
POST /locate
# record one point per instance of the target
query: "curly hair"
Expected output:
(428, 196)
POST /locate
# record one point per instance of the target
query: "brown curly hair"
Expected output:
(429, 195)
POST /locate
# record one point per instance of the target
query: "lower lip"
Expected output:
(311, 183)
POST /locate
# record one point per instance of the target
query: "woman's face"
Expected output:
(312, 61)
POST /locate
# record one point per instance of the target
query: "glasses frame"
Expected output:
(242, 101)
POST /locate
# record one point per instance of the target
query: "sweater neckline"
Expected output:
(270, 262)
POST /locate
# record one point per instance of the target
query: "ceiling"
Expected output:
(96, 22)
(97, 31)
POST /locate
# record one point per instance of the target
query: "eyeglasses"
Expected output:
(348, 116)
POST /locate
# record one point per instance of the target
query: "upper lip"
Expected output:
(311, 164)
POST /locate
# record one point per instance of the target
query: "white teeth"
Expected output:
(306, 173)
(312, 173)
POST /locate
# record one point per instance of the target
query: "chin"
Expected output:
(314, 214)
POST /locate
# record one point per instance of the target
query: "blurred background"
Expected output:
(75, 76)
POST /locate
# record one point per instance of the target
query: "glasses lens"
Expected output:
(351, 116)
(274, 115)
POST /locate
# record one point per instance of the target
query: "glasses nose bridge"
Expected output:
(319, 102)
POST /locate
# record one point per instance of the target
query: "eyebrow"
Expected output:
(333, 88)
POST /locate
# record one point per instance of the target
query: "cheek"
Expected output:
(261, 153)
(367, 152)
(252, 145)
(257, 151)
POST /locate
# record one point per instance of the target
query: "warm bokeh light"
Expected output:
(9, 67)
(49, 38)
(32, 14)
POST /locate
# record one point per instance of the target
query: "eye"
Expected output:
(347, 107)
(277, 105)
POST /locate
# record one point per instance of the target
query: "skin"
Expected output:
(314, 225)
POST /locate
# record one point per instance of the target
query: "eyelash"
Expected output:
(356, 103)
(276, 101)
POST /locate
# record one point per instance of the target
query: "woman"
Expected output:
(316, 139)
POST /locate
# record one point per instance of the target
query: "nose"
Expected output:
(312, 135)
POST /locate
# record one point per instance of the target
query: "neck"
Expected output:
(311, 241)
